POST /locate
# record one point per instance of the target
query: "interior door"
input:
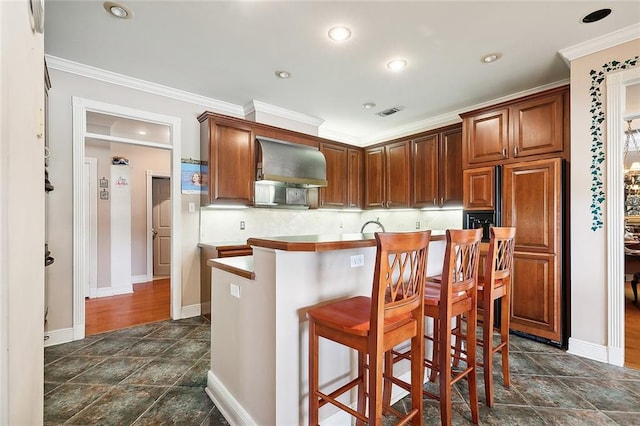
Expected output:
(161, 223)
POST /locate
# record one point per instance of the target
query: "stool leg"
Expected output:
(504, 335)
(634, 288)
(472, 378)
(314, 405)
(458, 345)
(362, 395)
(444, 364)
(434, 352)
(487, 346)
(388, 372)
(417, 376)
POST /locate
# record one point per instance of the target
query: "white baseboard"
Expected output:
(137, 279)
(111, 291)
(190, 311)
(235, 414)
(57, 337)
(228, 406)
(588, 350)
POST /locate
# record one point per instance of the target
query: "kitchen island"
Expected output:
(259, 341)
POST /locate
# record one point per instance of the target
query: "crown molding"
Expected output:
(83, 70)
(338, 136)
(600, 43)
(258, 106)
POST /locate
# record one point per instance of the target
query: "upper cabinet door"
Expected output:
(398, 174)
(232, 165)
(335, 193)
(355, 178)
(425, 171)
(450, 182)
(537, 126)
(479, 188)
(486, 137)
(374, 159)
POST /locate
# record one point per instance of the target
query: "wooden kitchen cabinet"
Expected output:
(532, 202)
(479, 189)
(516, 131)
(437, 169)
(335, 193)
(344, 174)
(355, 182)
(387, 171)
(229, 149)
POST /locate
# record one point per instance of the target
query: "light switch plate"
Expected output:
(192, 207)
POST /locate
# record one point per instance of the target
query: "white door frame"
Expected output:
(80, 108)
(91, 216)
(150, 175)
(616, 103)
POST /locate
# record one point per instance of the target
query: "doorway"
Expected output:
(86, 127)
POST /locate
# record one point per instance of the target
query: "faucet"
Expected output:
(377, 222)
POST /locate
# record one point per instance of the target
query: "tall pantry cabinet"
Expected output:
(529, 139)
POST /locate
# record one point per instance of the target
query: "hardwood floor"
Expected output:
(149, 302)
(631, 330)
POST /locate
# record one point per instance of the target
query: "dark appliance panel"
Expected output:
(481, 219)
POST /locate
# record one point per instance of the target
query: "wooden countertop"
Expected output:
(324, 242)
(239, 265)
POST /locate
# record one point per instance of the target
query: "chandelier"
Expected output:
(631, 141)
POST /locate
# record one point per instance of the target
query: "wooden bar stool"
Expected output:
(496, 285)
(392, 315)
(454, 295)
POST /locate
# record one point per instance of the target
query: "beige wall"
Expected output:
(588, 283)
(66, 85)
(22, 204)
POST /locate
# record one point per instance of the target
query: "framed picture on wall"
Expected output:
(104, 194)
(192, 177)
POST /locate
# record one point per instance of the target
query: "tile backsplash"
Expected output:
(224, 225)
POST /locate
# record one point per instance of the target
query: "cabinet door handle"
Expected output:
(441, 201)
(515, 151)
(504, 152)
(388, 203)
(435, 201)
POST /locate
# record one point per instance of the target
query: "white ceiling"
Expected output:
(229, 51)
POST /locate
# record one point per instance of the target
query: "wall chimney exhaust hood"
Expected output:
(293, 164)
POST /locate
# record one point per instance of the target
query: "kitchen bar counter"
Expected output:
(323, 242)
(239, 265)
(259, 329)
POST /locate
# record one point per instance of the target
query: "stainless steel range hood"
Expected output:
(293, 164)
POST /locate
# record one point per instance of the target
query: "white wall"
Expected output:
(21, 218)
(588, 248)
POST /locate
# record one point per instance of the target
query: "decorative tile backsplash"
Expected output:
(224, 225)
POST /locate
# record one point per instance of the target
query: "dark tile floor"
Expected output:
(155, 374)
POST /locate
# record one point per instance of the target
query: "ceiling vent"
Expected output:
(388, 112)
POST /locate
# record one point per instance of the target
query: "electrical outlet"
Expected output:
(417, 225)
(357, 261)
(235, 290)
(242, 225)
(192, 207)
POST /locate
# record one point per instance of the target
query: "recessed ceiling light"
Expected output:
(491, 57)
(142, 132)
(118, 10)
(339, 33)
(397, 64)
(283, 74)
(596, 16)
(368, 105)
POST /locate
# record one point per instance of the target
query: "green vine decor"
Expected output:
(597, 149)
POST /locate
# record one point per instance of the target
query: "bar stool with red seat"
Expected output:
(392, 315)
(454, 295)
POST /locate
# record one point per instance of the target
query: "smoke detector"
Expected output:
(388, 112)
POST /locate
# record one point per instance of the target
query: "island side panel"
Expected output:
(243, 340)
(305, 279)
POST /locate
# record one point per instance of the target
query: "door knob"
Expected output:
(154, 232)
